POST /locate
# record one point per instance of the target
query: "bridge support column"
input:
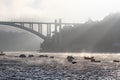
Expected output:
(48, 30)
(31, 26)
(55, 26)
(40, 28)
(60, 34)
(55, 33)
(60, 26)
(22, 24)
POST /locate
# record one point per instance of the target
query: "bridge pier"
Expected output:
(60, 34)
(40, 28)
(22, 24)
(55, 26)
(55, 33)
(31, 26)
(48, 30)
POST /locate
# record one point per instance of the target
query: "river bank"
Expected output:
(13, 67)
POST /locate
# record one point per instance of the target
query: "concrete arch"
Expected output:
(27, 29)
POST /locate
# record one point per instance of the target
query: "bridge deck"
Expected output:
(35, 22)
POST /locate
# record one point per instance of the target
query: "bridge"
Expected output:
(22, 25)
(58, 26)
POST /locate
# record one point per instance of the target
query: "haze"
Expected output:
(78, 11)
(68, 10)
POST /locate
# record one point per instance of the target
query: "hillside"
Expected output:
(99, 36)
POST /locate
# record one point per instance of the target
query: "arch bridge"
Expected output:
(40, 25)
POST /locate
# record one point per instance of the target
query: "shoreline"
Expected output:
(57, 68)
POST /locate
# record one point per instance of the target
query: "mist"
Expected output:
(14, 39)
(91, 36)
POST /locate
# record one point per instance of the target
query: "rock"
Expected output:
(22, 55)
(30, 55)
(74, 62)
(43, 56)
(51, 56)
(2, 54)
(88, 58)
(70, 58)
(116, 61)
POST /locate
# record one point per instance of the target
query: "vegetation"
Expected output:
(99, 36)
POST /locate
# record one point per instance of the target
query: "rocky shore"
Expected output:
(15, 68)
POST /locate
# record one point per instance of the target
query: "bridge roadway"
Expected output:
(4, 22)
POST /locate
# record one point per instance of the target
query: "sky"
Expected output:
(48, 10)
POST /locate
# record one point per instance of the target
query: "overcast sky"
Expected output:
(68, 10)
